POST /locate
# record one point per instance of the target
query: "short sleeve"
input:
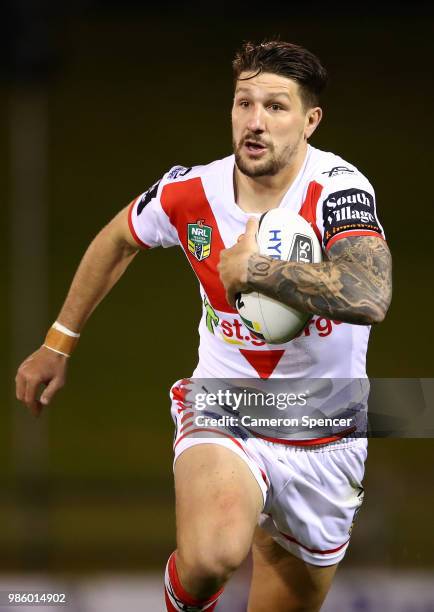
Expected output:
(149, 224)
(348, 208)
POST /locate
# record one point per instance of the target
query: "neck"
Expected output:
(259, 194)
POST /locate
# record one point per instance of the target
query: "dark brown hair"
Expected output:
(285, 59)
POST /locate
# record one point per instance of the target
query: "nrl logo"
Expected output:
(199, 239)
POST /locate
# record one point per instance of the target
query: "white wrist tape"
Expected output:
(60, 339)
(56, 351)
(65, 330)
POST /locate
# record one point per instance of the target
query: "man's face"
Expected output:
(268, 123)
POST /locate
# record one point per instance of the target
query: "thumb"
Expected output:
(251, 228)
(49, 391)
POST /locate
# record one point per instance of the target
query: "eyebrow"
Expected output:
(271, 94)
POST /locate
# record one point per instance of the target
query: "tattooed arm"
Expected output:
(354, 286)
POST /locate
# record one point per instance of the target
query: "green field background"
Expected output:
(137, 95)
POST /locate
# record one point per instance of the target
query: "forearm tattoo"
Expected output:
(354, 285)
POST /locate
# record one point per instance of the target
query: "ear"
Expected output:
(313, 117)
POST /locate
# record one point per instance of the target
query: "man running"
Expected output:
(303, 494)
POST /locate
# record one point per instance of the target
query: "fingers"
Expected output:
(251, 230)
(50, 391)
(35, 407)
(252, 227)
(20, 386)
(26, 392)
(43, 368)
(32, 386)
(30, 395)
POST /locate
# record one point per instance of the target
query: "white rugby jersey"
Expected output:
(195, 208)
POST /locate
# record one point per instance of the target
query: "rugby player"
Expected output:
(291, 502)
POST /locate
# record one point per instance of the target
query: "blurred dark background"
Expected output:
(98, 100)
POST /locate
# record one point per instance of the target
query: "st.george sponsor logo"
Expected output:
(233, 331)
(318, 326)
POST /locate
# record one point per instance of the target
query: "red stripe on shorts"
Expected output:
(310, 442)
(313, 550)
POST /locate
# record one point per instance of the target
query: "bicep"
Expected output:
(120, 232)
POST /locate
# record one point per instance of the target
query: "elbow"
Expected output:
(378, 311)
(369, 311)
(366, 316)
(376, 317)
(380, 305)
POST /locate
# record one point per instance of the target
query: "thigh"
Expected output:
(284, 583)
(316, 499)
(218, 500)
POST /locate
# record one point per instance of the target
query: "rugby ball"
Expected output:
(286, 236)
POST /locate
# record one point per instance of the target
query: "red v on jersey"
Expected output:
(264, 362)
(308, 208)
(185, 202)
(196, 211)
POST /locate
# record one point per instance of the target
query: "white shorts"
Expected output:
(311, 493)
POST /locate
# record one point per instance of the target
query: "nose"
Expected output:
(256, 122)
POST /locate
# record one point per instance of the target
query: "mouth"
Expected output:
(254, 148)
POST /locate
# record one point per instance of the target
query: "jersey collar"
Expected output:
(228, 186)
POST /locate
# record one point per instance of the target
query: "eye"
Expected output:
(243, 103)
(275, 107)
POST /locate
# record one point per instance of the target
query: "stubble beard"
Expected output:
(268, 167)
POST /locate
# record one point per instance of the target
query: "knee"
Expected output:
(212, 561)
